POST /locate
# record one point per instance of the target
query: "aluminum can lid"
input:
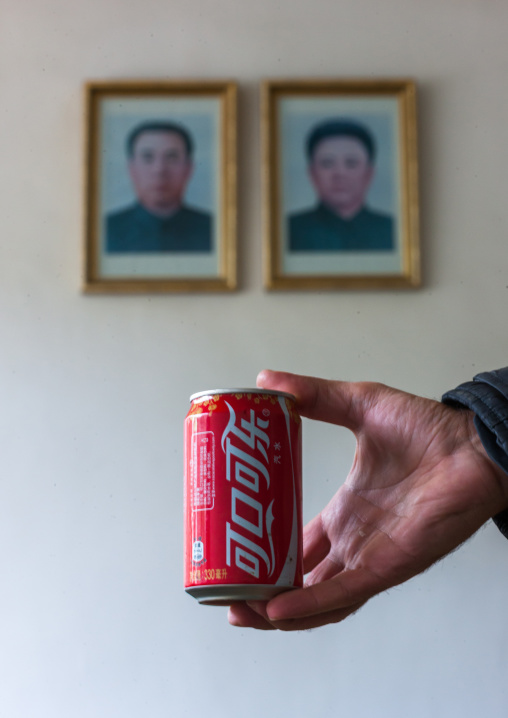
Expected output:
(257, 390)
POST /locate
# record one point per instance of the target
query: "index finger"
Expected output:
(341, 594)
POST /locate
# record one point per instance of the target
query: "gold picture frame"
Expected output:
(310, 241)
(160, 186)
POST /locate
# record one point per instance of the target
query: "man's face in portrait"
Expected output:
(341, 172)
(160, 169)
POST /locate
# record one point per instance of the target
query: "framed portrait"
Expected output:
(340, 184)
(160, 205)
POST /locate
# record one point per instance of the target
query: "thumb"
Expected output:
(336, 402)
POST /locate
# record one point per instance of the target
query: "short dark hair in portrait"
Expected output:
(160, 164)
(341, 128)
(160, 127)
(341, 154)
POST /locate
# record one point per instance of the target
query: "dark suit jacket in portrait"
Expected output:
(136, 230)
(321, 230)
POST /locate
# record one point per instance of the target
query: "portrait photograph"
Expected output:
(160, 186)
(340, 184)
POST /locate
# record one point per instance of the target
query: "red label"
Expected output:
(243, 491)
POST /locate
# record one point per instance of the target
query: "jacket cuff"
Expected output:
(487, 397)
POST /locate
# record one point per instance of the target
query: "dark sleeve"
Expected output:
(487, 397)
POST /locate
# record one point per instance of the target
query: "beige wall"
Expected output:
(94, 389)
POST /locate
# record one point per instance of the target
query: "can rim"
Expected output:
(242, 390)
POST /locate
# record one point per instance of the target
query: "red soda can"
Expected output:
(243, 495)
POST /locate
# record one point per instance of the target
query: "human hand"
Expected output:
(420, 485)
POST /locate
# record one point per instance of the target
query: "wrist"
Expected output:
(490, 465)
(487, 397)
(492, 471)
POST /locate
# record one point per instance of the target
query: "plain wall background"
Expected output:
(94, 390)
